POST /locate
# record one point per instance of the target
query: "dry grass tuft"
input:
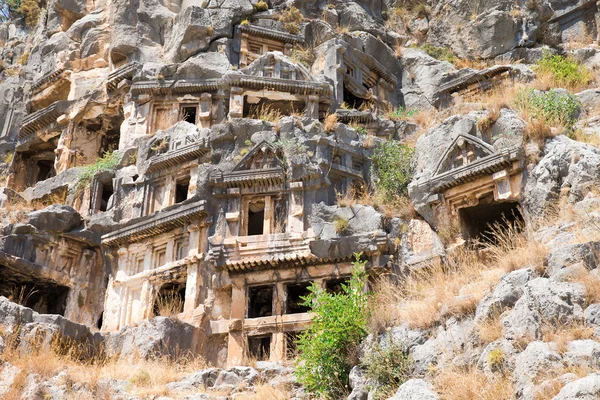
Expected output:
(453, 288)
(265, 392)
(385, 311)
(331, 122)
(88, 365)
(265, 112)
(469, 384)
(490, 330)
(562, 334)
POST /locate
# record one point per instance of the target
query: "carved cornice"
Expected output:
(127, 71)
(178, 156)
(44, 117)
(484, 166)
(155, 224)
(270, 34)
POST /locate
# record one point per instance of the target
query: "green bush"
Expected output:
(439, 53)
(402, 113)
(338, 326)
(393, 165)
(555, 107)
(108, 162)
(565, 71)
(387, 364)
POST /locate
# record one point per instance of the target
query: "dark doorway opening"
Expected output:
(259, 347)
(355, 102)
(170, 300)
(294, 303)
(45, 170)
(188, 114)
(481, 221)
(43, 296)
(291, 345)
(181, 190)
(260, 301)
(256, 218)
(334, 286)
(107, 192)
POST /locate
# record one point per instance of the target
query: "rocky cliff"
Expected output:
(177, 176)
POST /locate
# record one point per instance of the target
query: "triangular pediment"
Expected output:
(262, 156)
(464, 150)
(276, 65)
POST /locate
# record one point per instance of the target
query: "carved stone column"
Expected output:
(236, 103)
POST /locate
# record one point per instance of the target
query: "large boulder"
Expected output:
(568, 167)
(587, 388)
(544, 302)
(56, 218)
(159, 336)
(536, 359)
(415, 389)
(505, 294)
(565, 256)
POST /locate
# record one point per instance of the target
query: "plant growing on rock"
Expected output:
(341, 225)
(563, 71)
(327, 347)
(108, 162)
(291, 19)
(543, 110)
(439, 53)
(261, 6)
(388, 364)
(393, 164)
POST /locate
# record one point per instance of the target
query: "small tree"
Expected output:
(327, 347)
(393, 164)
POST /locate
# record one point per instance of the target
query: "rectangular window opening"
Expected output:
(45, 170)
(188, 114)
(181, 190)
(256, 217)
(107, 192)
(294, 303)
(334, 286)
(260, 301)
(291, 346)
(259, 347)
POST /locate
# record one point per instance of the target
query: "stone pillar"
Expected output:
(269, 215)
(205, 109)
(218, 113)
(233, 211)
(194, 239)
(244, 51)
(236, 343)
(296, 207)
(236, 103)
(277, 347)
(193, 283)
(312, 107)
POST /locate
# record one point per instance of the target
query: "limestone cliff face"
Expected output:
(207, 160)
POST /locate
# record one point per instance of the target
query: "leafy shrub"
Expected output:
(402, 113)
(291, 18)
(108, 162)
(393, 164)
(556, 107)
(439, 53)
(565, 71)
(338, 326)
(387, 364)
(261, 6)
